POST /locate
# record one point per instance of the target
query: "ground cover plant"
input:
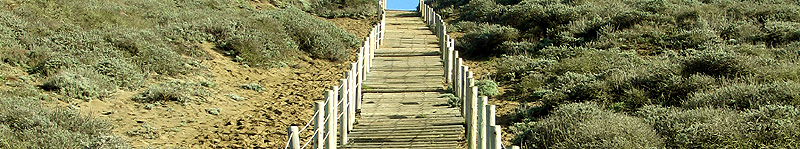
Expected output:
(83, 50)
(686, 73)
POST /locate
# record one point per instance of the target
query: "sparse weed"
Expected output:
(178, 91)
(252, 86)
(236, 97)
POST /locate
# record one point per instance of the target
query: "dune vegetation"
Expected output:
(639, 73)
(83, 50)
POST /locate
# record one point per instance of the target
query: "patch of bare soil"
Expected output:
(258, 121)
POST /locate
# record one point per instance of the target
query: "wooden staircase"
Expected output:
(403, 104)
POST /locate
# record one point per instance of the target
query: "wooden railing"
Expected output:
(481, 129)
(336, 114)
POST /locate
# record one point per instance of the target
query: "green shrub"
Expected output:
(83, 84)
(573, 88)
(179, 91)
(596, 61)
(518, 48)
(357, 9)
(512, 68)
(742, 32)
(463, 26)
(699, 128)
(452, 101)
(319, 38)
(587, 125)
(486, 39)
(487, 87)
(767, 126)
(715, 63)
(779, 33)
(25, 123)
(53, 63)
(747, 96)
(481, 11)
(774, 126)
(121, 73)
(162, 61)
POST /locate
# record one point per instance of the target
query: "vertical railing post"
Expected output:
(383, 27)
(445, 57)
(319, 107)
(482, 139)
(294, 137)
(496, 137)
(351, 79)
(450, 56)
(465, 81)
(343, 120)
(472, 129)
(443, 40)
(330, 114)
(456, 67)
(490, 121)
(363, 66)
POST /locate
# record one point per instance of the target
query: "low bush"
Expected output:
(319, 38)
(767, 126)
(703, 128)
(486, 39)
(25, 123)
(357, 9)
(252, 86)
(487, 87)
(747, 96)
(86, 84)
(512, 68)
(178, 91)
(778, 33)
(121, 73)
(587, 125)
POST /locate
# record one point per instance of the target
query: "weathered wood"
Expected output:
(402, 101)
(294, 137)
(330, 122)
(319, 125)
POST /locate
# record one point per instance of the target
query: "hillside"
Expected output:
(162, 73)
(636, 73)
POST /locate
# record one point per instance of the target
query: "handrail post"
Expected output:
(443, 39)
(450, 62)
(465, 86)
(491, 110)
(330, 114)
(482, 135)
(472, 129)
(383, 27)
(456, 68)
(353, 93)
(343, 120)
(496, 137)
(294, 137)
(319, 107)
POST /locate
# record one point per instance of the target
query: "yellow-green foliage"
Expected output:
(178, 91)
(724, 59)
(25, 123)
(87, 48)
(586, 125)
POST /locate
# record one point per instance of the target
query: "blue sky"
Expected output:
(402, 4)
